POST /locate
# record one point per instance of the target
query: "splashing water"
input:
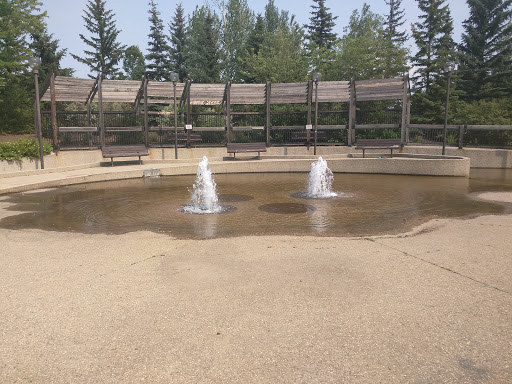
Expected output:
(320, 181)
(204, 194)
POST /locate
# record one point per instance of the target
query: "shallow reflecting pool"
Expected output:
(265, 204)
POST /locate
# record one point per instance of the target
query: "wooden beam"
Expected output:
(53, 111)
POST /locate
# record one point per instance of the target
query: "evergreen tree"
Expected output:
(321, 25)
(253, 46)
(105, 51)
(395, 20)
(179, 43)
(486, 50)
(47, 49)
(19, 19)
(134, 65)
(203, 54)
(271, 17)
(158, 65)
(433, 36)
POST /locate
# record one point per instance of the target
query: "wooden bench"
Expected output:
(235, 148)
(378, 144)
(124, 151)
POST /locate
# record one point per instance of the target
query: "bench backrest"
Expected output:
(378, 142)
(246, 146)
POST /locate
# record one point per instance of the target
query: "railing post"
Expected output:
(267, 100)
(461, 136)
(403, 133)
(228, 111)
(310, 101)
(101, 123)
(351, 114)
(55, 138)
(146, 112)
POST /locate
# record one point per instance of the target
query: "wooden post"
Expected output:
(146, 112)
(461, 136)
(101, 124)
(267, 100)
(189, 117)
(55, 137)
(408, 121)
(228, 112)
(352, 114)
(175, 123)
(403, 136)
(37, 119)
(316, 115)
(310, 98)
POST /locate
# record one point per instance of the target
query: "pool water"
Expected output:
(262, 204)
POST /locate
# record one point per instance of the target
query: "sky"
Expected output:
(65, 18)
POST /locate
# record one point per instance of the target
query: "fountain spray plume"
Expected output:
(320, 180)
(204, 195)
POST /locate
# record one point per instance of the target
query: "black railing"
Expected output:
(79, 129)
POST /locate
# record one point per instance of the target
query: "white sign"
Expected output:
(309, 126)
(188, 126)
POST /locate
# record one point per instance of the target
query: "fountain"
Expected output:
(320, 181)
(204, 194)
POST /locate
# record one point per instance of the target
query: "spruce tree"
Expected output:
(203, 54)
(105, 51)
(485, 52)
(158, 64)
(395, 20)
(47, 49)
(433, 37)
(321, 25)
(178, 32)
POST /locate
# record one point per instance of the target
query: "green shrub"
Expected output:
(22, 148)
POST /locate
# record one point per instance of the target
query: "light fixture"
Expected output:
(174, 77)
(449, 67)
(317, 76)
(34, 63)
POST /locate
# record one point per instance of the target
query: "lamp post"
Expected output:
(448, 68)
(317, 76)
(34, 63)
(174, 79)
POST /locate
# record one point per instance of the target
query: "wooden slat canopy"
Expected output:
(248, 93)
(333, 91)
(381, 89)
(163, 92)
(206, 94)
(70, 89)
(119, 91)
(289, 93)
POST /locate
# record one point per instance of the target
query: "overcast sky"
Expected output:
(66, 23)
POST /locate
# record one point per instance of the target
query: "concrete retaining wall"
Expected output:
(480, 158)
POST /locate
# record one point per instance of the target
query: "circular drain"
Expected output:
(234, 198)
(287, 208)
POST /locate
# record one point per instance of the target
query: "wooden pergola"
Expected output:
(145, 92)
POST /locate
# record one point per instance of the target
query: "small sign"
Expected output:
(188, 126)
(309, 126)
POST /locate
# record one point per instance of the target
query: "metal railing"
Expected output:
(79, 129)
